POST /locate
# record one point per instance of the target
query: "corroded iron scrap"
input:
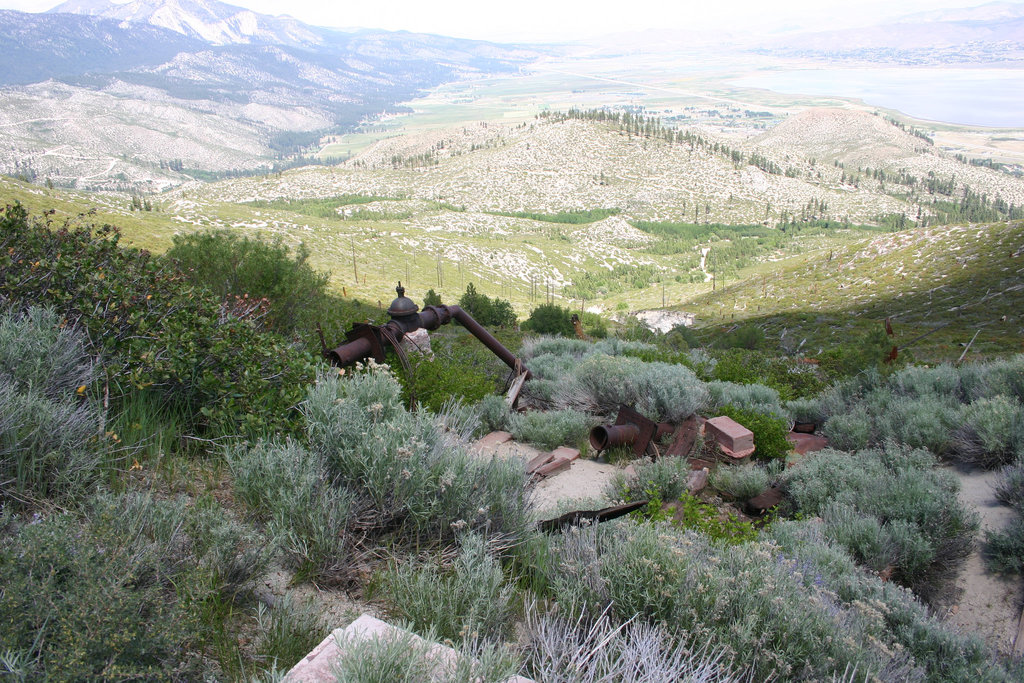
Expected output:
(630, 428)
(368, 341)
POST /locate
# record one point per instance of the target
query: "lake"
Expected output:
(973, 97)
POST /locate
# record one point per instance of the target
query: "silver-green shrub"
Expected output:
(563, 650)
(917, 380)
(741, 482)
(755, 397)
(665, 479)
(991, 432)
(849, 431)
(49, 446)
(552, 367)
(761, 608)
(414, 474)
(806, 410)
(534, 347)
(552, 428)
(405, 658)
(599, 384)
(470, 599)
(40, 355)
(1009, 487)
(289, 488)
(493, 413)
(890, 508)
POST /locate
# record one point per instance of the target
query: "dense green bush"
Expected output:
(893, 509)
(435, 381)
(789, 377)
(153, 328)
(431, 298)
(550, 319)
(233, 266)
(769, 430)
(486, 311)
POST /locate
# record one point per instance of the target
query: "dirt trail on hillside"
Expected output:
(987, 604)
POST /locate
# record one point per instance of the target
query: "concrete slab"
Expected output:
(566, 452)
(538, 461)
(585, 481)
(554, 466)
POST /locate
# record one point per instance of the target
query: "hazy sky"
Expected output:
(568, 19)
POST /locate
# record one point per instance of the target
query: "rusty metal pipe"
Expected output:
(488, 340)
(606, 436)
(363, 344)
(349, 353)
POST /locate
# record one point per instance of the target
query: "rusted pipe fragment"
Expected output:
(607, 436)
(602, 515)
(488, 340)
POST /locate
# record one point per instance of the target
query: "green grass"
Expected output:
(574, 217)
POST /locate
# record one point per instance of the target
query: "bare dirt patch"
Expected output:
(986, 604)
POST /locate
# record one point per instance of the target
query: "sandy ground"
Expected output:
(585, 482)
(987, 604)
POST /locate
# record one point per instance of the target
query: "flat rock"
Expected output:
(697, 480)
(318, 665)
(764, 501)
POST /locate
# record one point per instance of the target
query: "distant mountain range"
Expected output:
(213, 22)
(202, 85)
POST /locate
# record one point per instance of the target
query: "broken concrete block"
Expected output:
(565, 452)
(535, 463)
(554, 466)
(731, 434)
